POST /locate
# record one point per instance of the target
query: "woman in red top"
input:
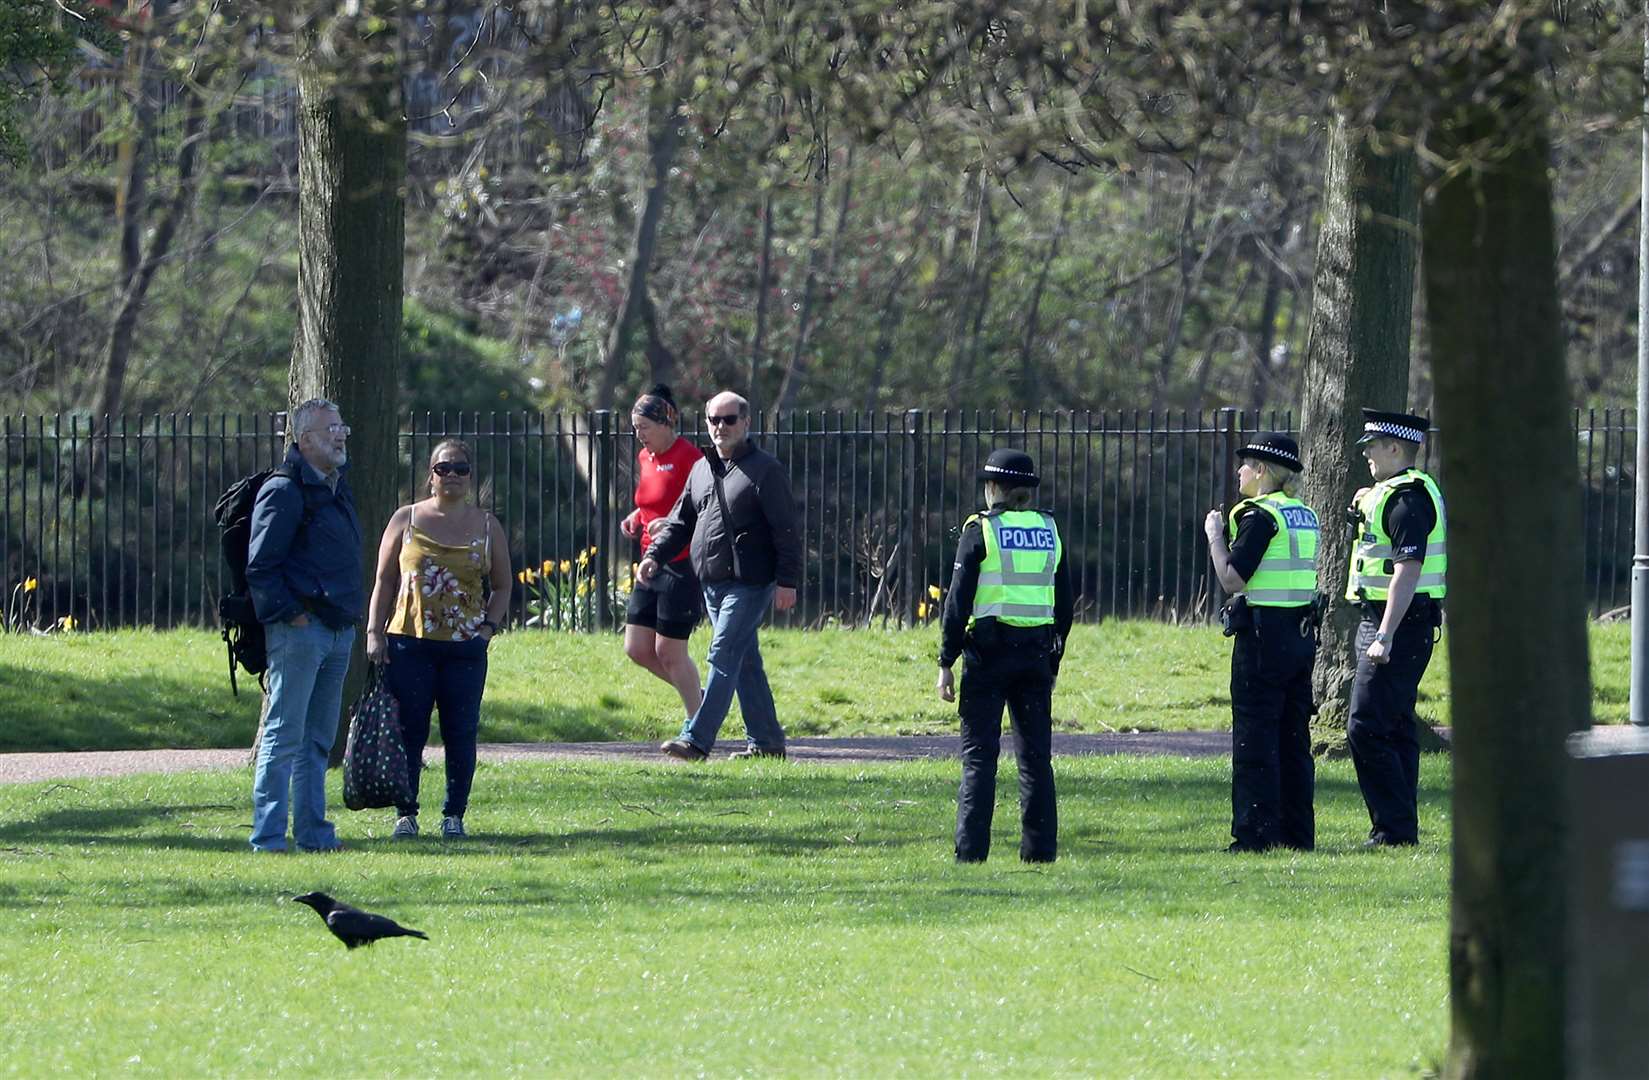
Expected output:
(663, 612)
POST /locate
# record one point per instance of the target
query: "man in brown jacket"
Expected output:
(738, 514)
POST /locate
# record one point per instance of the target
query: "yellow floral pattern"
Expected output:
(442, 591)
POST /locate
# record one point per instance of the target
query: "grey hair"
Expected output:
(744, 405)
(306, 412)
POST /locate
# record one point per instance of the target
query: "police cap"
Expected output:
(1273, 446)
(1393, 425)
(1010, 468)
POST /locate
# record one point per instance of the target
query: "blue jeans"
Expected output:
(445, 675)
(307, 665)
(735, 663)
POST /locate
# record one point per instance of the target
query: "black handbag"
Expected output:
(376, 770)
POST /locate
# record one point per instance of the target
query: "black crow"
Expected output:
(353, 926)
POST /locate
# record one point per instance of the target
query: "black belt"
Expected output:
(1421, 609)
(1292, 614)
(991, 634)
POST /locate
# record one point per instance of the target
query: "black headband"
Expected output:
(654, 408)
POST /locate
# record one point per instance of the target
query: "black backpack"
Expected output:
(242, 632)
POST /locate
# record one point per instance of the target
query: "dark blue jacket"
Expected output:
(305, 550)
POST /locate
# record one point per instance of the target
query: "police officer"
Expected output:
(1398, 565)
(1007, 614)
(1265, 554)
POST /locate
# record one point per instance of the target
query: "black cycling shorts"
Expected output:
(670, 605)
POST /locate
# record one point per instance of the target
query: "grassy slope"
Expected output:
(137, 689)
(760, 919)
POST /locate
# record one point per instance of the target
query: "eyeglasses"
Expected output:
(330, 429)
(718, 421)
(450, 468)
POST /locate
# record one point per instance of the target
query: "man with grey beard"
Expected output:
(303, 568)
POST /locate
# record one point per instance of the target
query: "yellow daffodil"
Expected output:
(933, 591)
(922, 610)
(521, 577)
(583, 559)
(566, 566)
(66, 623)
(30, 584)
(549, 566)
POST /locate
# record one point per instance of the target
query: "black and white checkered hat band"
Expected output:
(1273, 451)
(1396, 431)
(998, 470)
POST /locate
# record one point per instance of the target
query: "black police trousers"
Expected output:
(1020, 676)
(1380, 727)
(1272, 773)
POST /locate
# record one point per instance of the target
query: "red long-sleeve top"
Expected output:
(659, 481)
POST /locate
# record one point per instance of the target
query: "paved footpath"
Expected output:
(26, 768)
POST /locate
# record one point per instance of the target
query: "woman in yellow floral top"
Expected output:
(431, 618)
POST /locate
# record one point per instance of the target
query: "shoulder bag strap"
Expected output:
(727, 518)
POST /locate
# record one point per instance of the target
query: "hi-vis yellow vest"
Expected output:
(1371, 556)
(1287, 574)
(1016, 580)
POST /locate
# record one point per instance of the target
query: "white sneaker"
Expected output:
(405, 828)
(452, 828)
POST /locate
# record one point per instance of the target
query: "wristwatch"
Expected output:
(1382, 637)
(489, 623)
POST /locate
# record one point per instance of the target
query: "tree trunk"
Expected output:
(137, 265)
(1357, 354)
(887, 329)
(764, 286)
(1265, 330)
(977, 301)
(796, 373)
(663, 142)
(352, 145)
(1517, 621)
(956, 337)
(1031, 387)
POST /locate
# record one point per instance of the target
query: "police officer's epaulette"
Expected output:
(1413, 482)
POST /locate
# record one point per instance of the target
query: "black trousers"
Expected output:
(1380, 728)
(1272, 774)
(1020, 676)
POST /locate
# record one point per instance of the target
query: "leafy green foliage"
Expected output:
(1072, 206)
(448, 368)
(34, 48)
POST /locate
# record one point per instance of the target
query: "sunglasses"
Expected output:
(718, 421)
(450, 468)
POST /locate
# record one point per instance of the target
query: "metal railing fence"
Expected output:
(112, 523)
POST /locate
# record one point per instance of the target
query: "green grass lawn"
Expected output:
(141, 689)
(754, 919)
